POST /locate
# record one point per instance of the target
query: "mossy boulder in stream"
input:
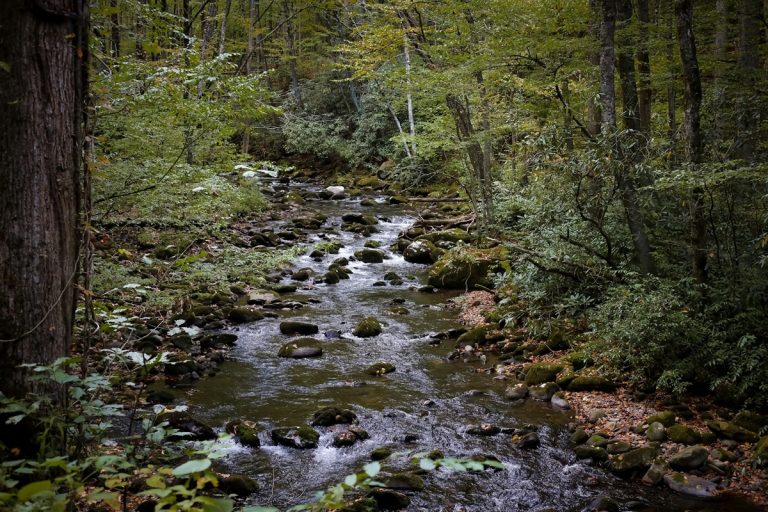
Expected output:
(447, 236)
(291, 327)
(388, 499)
(183, 422)
(473, 337)
(421, 251)
(539, 373)
(367, 328)
(302, 437)
(464, 268)
(328, 416)
(639, 459)
(245, 431)
(245, 314)
(301, 348)
(240, 485)
(591, 383)
(370, 255)
(404, 482)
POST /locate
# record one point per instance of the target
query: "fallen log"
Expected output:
(438, 200)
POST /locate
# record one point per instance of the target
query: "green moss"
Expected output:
(666, 418)
(539, 373)
(367, 328)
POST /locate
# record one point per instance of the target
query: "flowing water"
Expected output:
(426, 404)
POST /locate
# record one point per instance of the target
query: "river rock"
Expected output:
(666, 418)
(691, 485)
(447, 237)
(247, 432)
(182, 421)
(245, 314)
(543, 392)
(692, 457)
(380, 369)
(301, 348)
(579, 436)
(750, 421)
(467, 270)
(284, 288)
(639, 459)
(683, 435)
(618, 447)
(335, 189)
(420, 251)
(591, 383)
(331, 277)
(516, 392)
(484, 429)
(595, 415)
(381, 453)
(539, 373)
(328, 416)
(367, 328)
(404, 482)
(656, 432)
(725, 430)
(345, 438)
(559, 401)
(370, 255)
(240, 485)
(528, 441)
(388, 499)
(591, 452)
(655, 474)
(303, 274)
(302, 437)
(603, 504)
(368, 202)
(471, 338)
(293, 327)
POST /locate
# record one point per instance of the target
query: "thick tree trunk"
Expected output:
(114, 21)
(721, 59)
(607, 68)
(673, 71)
(593, 104)
(409, 98)
(692, 125)
(748, 66)
(645, 92)
(40, 154)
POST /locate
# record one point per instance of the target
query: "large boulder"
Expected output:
(639, 459)
(447, 237)
(245, 314)
(591, 383)
(240, 485)
(692, 457)
(683, 435)
(725, 430)
(691, 485)
(370, 255)
(761, 451)
(246, 431)
(539, 373)
(301, 348)
(183, 422)
(467, 268)
(421, 251)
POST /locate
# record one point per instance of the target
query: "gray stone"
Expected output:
(692, 457)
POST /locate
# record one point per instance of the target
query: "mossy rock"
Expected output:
(303, 274)
(182, 421)
(404, 481)
(246, 432)
(328, 416)
(381, 453)
(683, 435)
(380, 369)
(591, 452)
(367, 328)
(421, 251)
(539, 373)
(388, 499)
(469, 268)
(301, 348)
(370, 182)
(293, 327)
(750, 420)
(666, 418)
(691, 485)
(239, 485)
(372, 244)
(359, 505)
(245, 314)
(293, 197)
(591, 383)
(370, 255)
(579, 360)
(543, 392)
(472, 338)
(726, 430)
(639, 459)
(302, 437)
(452, 236)
(331, 277)
(565, 377)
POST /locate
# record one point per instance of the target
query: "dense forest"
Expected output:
(584, 180)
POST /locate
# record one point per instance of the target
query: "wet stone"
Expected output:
(302, 437)
(692, 457)
(378, 369)
(388, 499)
(301, 348)
(691, 485)
(292, 327)
(239, 485)
(484, 429)
(328, 416)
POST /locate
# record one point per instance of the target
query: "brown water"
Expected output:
(427, 397)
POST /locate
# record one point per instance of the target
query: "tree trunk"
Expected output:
(593, 104)
(411, 121)
(249, 44)
(645, 92)
(671, 96)
(721, 59)
(291, 50)
(607, 68)
(114, 20)
(41, 100)
(692, 130)
(223, 26)
(748, 66)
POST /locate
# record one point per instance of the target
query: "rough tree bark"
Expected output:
(748, 66)
(694, 146)
(41, 98)
(291, 50)
(223, 26)
(645, 92)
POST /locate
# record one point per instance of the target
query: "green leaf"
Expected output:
(350, 480)
(215, 504)
(156, 481)
(193, 466)
(33, 489)
(427, 464)
(372, 468)
(494, 464)
(260, 509)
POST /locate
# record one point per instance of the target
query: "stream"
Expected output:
(426, 404)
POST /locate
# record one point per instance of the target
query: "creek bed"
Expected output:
(426, 404)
